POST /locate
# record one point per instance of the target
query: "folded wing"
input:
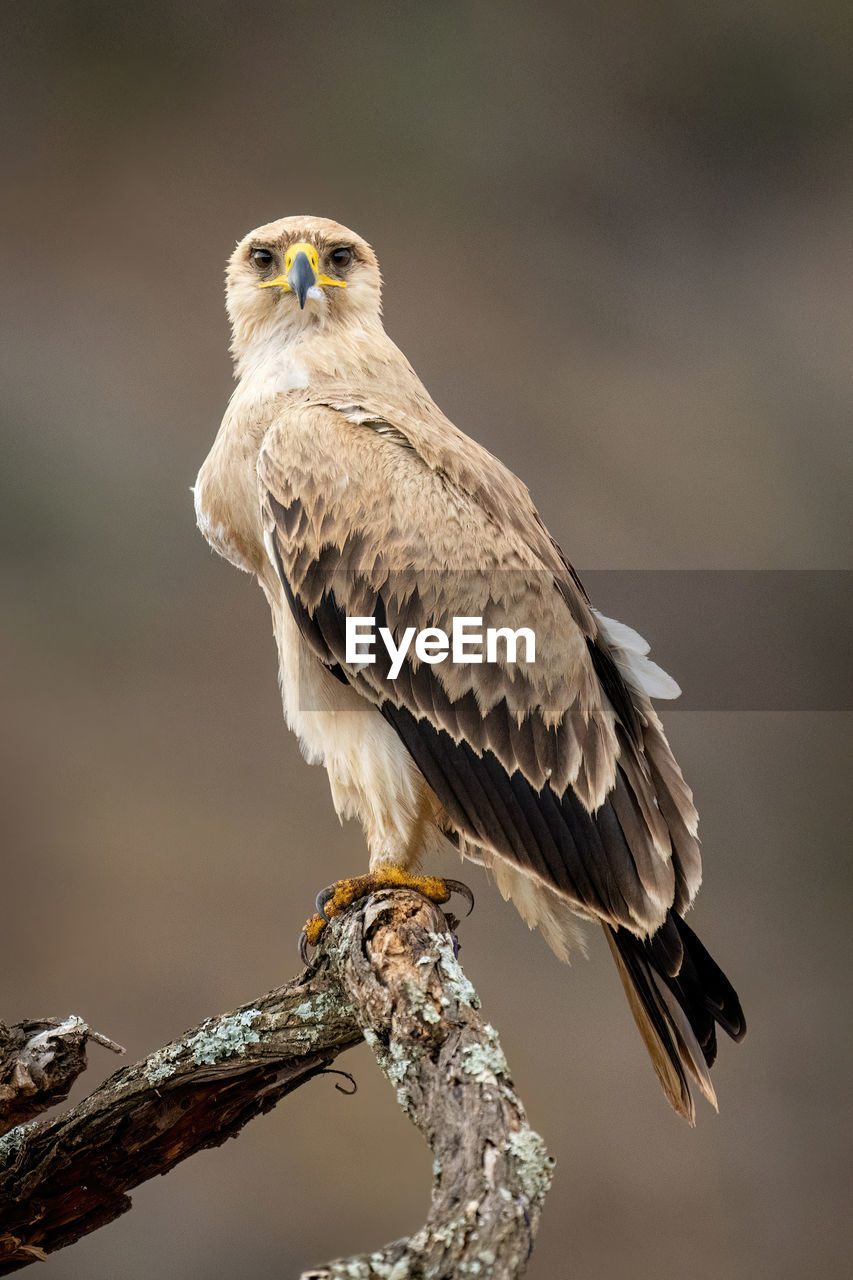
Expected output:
(556, 764)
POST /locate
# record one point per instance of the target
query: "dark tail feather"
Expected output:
(678, 995)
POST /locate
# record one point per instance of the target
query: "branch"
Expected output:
(385, 971)
(419, 1013)
(61, 1179)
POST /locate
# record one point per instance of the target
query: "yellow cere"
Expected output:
(301, 246)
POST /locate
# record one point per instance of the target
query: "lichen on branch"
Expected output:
(385, 972)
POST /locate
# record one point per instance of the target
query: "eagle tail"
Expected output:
(678, 994)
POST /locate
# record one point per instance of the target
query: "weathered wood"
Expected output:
(420, 1014)
(39, 1061)
(63, 1178)
(385, 971)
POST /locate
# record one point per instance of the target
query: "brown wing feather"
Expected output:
(532, 762)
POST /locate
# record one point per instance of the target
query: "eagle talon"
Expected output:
(456, 886)
(323, 897)
(337, 897)
(310, 936)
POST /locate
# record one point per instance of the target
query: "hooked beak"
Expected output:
(301, 276)
(301, 273)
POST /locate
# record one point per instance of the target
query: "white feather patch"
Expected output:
(629, 653)
(269, 547)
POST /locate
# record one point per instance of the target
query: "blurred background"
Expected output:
(617, 246)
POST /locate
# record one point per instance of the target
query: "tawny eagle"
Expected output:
(337, 481)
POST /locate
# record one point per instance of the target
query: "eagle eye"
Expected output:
(341, 257)
(261, 258)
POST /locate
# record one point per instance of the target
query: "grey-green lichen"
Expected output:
(485, 1062)
(216, 1039)
(366, 1268)
(456, 1233)
(161, 1065)
(394, 1061)
(459, 987)
(11, 1142)
(322, 1006)
(421, 1002)
(222, 1037)
(480, 1265)
(389, 1271)
(396, 1067)
(533, 1164)
(462, 1238)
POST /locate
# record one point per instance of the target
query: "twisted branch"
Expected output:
(385, 972)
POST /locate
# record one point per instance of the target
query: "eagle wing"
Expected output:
(558, 764)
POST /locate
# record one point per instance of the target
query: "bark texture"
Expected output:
(386, 972)
(39, 1062)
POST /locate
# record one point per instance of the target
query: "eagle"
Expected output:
(364, 513)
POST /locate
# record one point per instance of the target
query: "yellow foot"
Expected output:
(343, 893)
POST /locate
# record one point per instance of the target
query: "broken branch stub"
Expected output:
(39, 1061)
